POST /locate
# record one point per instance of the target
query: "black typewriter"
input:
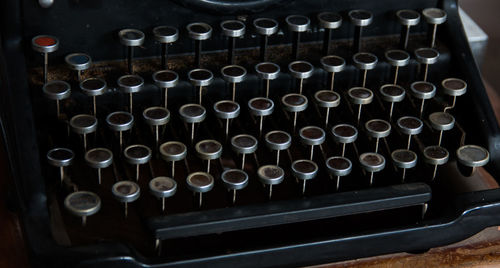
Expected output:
(243, 133)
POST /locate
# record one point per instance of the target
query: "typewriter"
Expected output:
(243, 133)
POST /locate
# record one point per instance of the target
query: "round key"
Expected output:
(360, 96)
(397, 58)
(45, 44)
(372, 162)
(60, 157)
(328, 21)
(261, 107)
(57, 90)
(312, 135)
(267, 71)
(120, 121)
(301, 70)
(270, 175)
(226, 110)
(410, 125)
(327, 99)
(436, 156)
(208, 150)
(137, 155)
(165, 35)
(294, 103)
(131, 38)
(156, 117)
(191, 114)
(441, 121)
(364, 61)
(130, 84)
(199, 31)
(162, 187)
(392, 93)
(99, 158)
(173, 151)
(338, 166)
(304, 170)
(165, 79)
(453, 87)
(83, 124)
(297, 24)
(93, 87)
(126, 192)
(473, 156)
(407, 18)
(404, 159)
(434, 16)
(378, 128)
(233, 74)
(332, 64)
(344, 133)
(360, 18)
(265, 27)
(234, 179)
(82, 204)
(278, 140)
(200, 182)
(244, 144)
(426, 56)
(200, 78)
(423, 90)
(232, 29)
(78, 62)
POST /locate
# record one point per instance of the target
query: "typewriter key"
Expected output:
(208, 150)
(233, 74)
(271, 175)
(294, 103)
(166, 79)
(338, 166)
(436, 155)
(126, 192)
(200, 182)
(372, 162)
(332, 64)
(360, 96)
(83, 124)
(327, 99)
(360, 18)
(261, 107)
(57, 90)
(434, 16)
(191, 114)
(244, 144)
(267, 71)
(378, 128)
(365, 61)
(392, 93)
(130, 84)
(200, 78)
(426, 56)
(410, 125)
(156, 117)
(453, 87)
(304, 170)
(232, 29)
(234, 179)
(397, 58)
(60, 157)
(45, 44)
(423, 90)
(99, 158)
(165, 35)
(78, 62)
(265, 27)
(344, 133)
(136, 155)
(407, 18)
(162, 187)
(278, 140)
(172, 151)
(312, 136)
(300, 70)
(472, 156)
(82, 204)
(131, 38)
(297, 24)
(198, 31)
(441, 121)
(328, 21)
(93, 87)
(404, 159)
(227, 110)
(120, 121)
